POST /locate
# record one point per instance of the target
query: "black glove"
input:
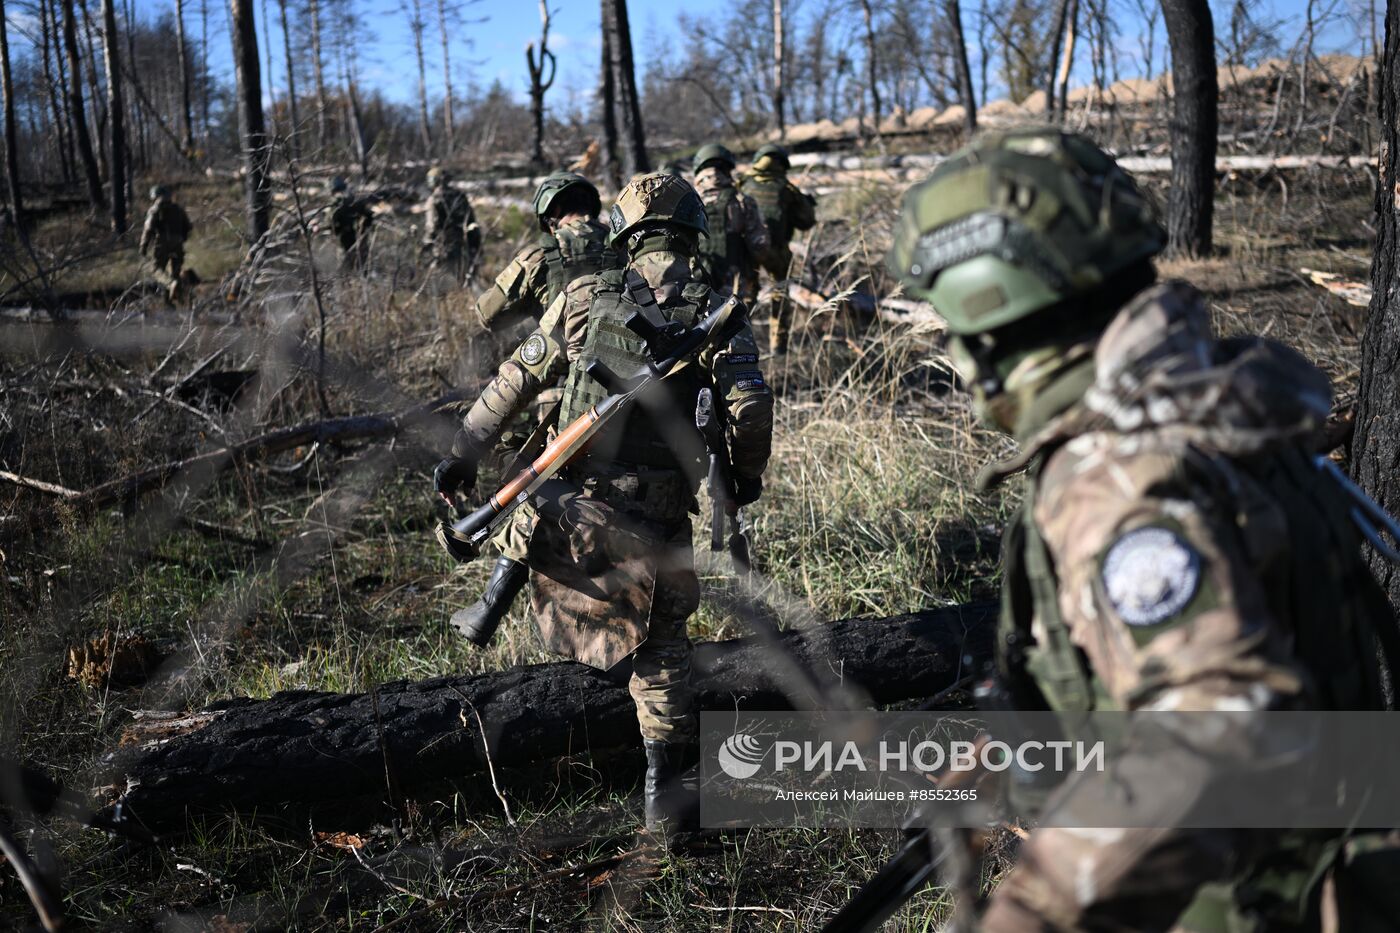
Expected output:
(747, 490)
(454, 475)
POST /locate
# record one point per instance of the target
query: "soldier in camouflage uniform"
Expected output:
(616, 577)
(163, 237)
(450, 234)
(351, 220)
(786, 210)
(1178, 549)
(738, 239)
(572, 243)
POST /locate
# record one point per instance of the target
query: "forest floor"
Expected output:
(870, 508)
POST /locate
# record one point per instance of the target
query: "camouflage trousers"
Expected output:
(661, 676)
(170, 261)
(779, 318)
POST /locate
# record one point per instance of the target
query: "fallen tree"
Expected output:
(405, 740)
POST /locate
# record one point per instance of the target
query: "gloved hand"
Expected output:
(454, 475)
(747, 490)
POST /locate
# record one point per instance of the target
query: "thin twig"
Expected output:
(486, 750)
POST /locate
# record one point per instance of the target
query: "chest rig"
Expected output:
(659, 430)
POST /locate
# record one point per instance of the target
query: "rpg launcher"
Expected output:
(671, 347)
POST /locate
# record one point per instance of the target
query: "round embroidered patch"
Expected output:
(1150, 574)
(532, 350)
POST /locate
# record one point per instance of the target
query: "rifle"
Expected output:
(709, 418)
(671, 345)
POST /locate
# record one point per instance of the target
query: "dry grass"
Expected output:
(870, 508)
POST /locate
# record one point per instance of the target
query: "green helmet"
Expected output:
(713, 154)
(775, 153)
(339, 185)
(1018, 222)
(657, 198)
(159, 191)
(558, 183)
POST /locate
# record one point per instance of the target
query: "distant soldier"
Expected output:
(786, 210)
(1178, 548)
(163, 236)
(451, 234)
(738, 239)
(617, 579)
(351, 220)
(572, 244)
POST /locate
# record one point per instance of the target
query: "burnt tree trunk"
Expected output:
(872, 69)
(251, 130)
(313, 15)
(628, 106)
(1052, 67)
(539, 84)
(293, 143)
(1191, 203)
(779, 91)
(1376, 445)
(416, 25)
(111, 60)
(961, 66)
(48, 36)
(183, 63)
(7, 87)
(75, 109)
(608, 106)
(301, 749)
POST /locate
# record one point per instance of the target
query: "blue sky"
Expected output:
(495, 49)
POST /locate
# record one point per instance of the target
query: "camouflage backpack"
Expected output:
(570, 254)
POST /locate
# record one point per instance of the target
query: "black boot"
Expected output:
(477, 623)
(671, 807)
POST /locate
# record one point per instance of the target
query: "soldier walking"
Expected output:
(786, 210)
(616, 578)
(351, 221)
(738, 239)
(451, 235)
(572, 244)
(163, 237)
(1178, 548)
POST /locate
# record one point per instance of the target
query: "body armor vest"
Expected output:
(1317, 586)
(572, 253)
(722, 250)
(767, 192)
(659, 430)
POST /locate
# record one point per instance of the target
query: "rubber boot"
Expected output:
(477, 623)
(672, 809)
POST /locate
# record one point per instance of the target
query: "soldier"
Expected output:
(351, 220)
(1177, 549)
(785, 209)
(738, 239)
(451, 225)
(163, 236)
(617, 578)
(571, 244)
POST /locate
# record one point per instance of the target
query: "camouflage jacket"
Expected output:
(450, 222)
(785, 209)
(167, 227)
(743, 220)
(523, 289)
(1181, 583)
(351, 219)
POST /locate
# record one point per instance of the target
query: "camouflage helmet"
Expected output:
(658, 198)
(1017, 222)
(777, 154)
(438, 176)
(714, 153)
(159, 191)
(560, 182)
(338, 184)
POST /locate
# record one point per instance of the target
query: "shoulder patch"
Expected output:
(533, 349)
(748, 381)
(1150, 574)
